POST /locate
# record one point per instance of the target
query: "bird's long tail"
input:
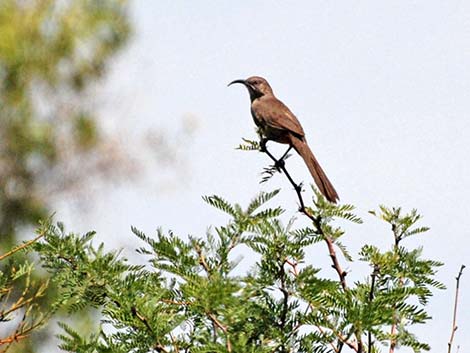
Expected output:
(322, 181)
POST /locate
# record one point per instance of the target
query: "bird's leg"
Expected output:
(262, 144)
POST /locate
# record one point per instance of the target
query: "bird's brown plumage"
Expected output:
(277, 123)
(322, 181)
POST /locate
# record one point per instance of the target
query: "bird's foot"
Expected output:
(262, 145)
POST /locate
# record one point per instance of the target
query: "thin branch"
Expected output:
(345, 340)
(285, 293)
(341, 274)
(335, 349)
(371, 298)
(454, 319)
(295, 270)
(295, 273)
(22, 246)
(393, 328)
(280, 165)
(285, 300)
(20, 333)
(142, 319)
(217, 322)
(158, 346)
(202, 259)
(317, 221)
(393, 331)
(175, 302)
(222, 327)
(12, 338)
(174, 342)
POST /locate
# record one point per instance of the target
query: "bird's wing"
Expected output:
(278, 116)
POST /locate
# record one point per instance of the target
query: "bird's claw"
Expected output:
(262, 145)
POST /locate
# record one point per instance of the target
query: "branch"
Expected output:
(20, 333)
(158, 346)
(142, 319)
(13, 338)
(316, 220)
(454, 320)
(218, 324)
(202, 259)
(393, 330)
(22, 246)
(285, 300)
(280, 165)
(175, 302)
(371, 297)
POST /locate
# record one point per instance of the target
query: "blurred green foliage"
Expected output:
(51, 53)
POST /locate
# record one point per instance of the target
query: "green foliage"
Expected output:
(20, 294)
(249, 145)
(194, 296)
(403, 280)
(50, 54)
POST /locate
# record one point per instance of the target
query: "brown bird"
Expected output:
(277, 123)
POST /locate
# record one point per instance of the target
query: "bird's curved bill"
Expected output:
(243, 82)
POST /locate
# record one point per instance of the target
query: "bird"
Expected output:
(277, 123)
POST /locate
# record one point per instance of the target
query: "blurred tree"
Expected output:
(52, 54)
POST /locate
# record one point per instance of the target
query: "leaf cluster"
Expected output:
(194, 296)
(21, 293)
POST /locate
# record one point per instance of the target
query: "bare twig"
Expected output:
(298, 189)
(22, 246)
(454, 319)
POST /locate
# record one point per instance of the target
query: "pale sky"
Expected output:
(382, 90)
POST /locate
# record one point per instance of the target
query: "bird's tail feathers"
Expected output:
(322, 181)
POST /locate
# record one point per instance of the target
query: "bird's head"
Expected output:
(256, 85)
